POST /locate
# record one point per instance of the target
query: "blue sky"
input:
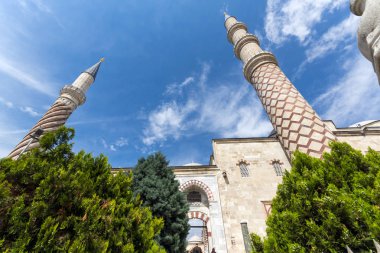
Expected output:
(170, 81)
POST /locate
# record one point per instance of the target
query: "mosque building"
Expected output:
(231, 196)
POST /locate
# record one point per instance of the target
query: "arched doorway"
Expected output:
(197, 237)
(198, 196)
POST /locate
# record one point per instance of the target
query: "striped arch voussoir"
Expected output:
(199, 184)
(198, 215)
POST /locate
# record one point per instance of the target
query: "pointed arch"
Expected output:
(198, 215)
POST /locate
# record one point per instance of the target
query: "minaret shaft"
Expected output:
(55, 117)
(70, 98)
(298, 126)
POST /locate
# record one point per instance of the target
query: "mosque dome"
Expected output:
(192, 164)
(362, 123)
(195, 239)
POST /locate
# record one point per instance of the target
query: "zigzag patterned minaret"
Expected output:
(298, 126)
(70, 98)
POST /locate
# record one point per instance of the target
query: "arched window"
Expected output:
(194, 196)
(277, 165)
(244, 169)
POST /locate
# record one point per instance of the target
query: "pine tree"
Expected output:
(53, 200)
(324, 205)
(155, 183)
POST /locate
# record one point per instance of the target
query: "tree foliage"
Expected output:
(157, 187)
(53, 200)
(256, 243)
(324, 205)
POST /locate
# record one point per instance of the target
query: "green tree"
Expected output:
(325, 204)
(155, 183)
(256, 243)
(53, 200)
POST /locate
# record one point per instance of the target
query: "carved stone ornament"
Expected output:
(369, 30)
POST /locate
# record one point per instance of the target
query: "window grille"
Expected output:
(244, 170)
(194, 197)
(278, 168)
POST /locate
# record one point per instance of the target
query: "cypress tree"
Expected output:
(155, 183)
(325, 204)
(53, 200)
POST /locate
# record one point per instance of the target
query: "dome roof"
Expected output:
(195, 238)
(362, 123)
(192, 164)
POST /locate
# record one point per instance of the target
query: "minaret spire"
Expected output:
(298, 126)
(226, 16)
(70, 98)
(93, 70)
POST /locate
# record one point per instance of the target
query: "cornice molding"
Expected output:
(248, 38)
(234, 28)
(256, 61)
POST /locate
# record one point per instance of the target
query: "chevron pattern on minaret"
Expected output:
(70, 98)
(298, 126)
(55, 117)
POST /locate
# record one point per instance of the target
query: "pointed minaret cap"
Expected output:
(226, 16)
(94, 69)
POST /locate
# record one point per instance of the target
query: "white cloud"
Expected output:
(41, 6)
(24, 77)
(224, 109)
(104, 143)
(339, 35)
(31, 4)
(29, 110)
(9, 135)
(168, 120)
(295, 18)
(121, 142)
(176, 88)
(38, 7)
(355, 97)
(6, 102)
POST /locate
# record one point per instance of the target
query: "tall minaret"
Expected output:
(70, 98)
(298, 126)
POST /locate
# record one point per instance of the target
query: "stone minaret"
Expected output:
(70, 98)
(298, 126)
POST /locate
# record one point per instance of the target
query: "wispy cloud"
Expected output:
(27, 5)
(89, 121)
(121, 142)
(9, 136)
(355, 97)
(177, 88)
(294, 18)
(6, 102)
(104, 143)
(29, 110)
(26, 109)
(116, 145)
(25, 77)
(209, 108)
(338, 38)
(340, 35)
(36, 7)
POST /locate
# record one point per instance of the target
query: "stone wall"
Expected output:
(247, 199)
